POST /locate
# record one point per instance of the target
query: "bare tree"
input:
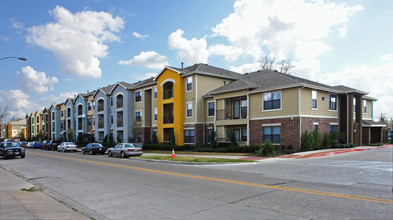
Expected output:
(3, 114)
(269, 63)
(285, 66)
(266, 62)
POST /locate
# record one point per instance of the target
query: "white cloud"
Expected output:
(140, 36)
(4, 38)
(377, 80)
(188, 51)
(77, 40)
(285, 29)
(386, 57)
(34, 81)
(59, 98)
(145, 76)
(18, 103)
(246, 68)
(229, 52)
(149, 59)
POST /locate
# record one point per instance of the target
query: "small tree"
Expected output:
(137, 130)
(118, 139)
(212, 138)
(105, 138)
(232, 138)
(172, 137)
(70, 135)
(154, 139)
(110, 138)
(316, 138)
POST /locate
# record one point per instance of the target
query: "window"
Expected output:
(68, 112)
(53, 116)
(364, 107)
(314, 100)
(210, 107)
(138, 116)
(314, 127)
(333, 128)
(189, 136)
(272, 100)
(189, 83)
(111, 101)
(32, 120)
(189, 110)
(244, 134)
(271, 134)
(138, 96)
(155, 92)
(354, 105)
(111, 119)
(88, 121)
(88, 106)
(333, 102)
(244, 108)
(155, 114)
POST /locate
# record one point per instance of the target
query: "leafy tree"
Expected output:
(212, 138)
(154, 139)
(172, 137)
(232, 138)
(110, 138)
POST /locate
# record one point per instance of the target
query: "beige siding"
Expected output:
(289, 104)
(368, 114)
(204, 84)
(189, 96)
(323, 103)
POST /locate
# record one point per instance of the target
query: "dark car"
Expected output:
(93, 148)
(44, 143)
(52, 145)
(11, 149)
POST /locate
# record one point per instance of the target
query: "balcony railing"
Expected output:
(100, 107)
(229, 115)
(100, 124)
(168, 94)
(168, 120)
(119, 123)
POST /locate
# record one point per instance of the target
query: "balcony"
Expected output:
(119, 119)
(228, 114)
(168, 120)
(119, 123)
(100, 124)
(168, 94)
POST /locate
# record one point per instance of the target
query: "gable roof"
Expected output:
(202, 69)
(106, 90)
(133, 86)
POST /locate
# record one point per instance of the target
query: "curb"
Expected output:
(188, 163)
(347, 151)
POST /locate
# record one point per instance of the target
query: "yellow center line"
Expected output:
(338, 195)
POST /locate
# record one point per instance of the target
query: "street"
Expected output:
(355, 185)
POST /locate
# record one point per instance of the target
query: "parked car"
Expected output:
(125, 150)
(23, 143)
(36, 144)
(67, 147)
(52, 145)
(44, 143)
(93, 148)
(30, 144)
(11, 149)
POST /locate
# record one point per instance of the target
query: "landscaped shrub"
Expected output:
(232, 138)
(327, 141)
(154, 138)
(212, 139)
(172, 138)
(307, 141)
(267, 149)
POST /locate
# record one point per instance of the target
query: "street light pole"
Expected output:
(19, 58)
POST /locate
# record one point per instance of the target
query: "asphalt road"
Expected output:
(351, 186)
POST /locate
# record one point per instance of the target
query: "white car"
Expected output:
(125, 150)
(30, 144)
(67, 146)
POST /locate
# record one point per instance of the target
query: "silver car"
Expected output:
(67, 146)
(125, 150)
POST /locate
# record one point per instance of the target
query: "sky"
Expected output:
(78, 46)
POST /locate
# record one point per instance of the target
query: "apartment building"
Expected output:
(84, 113)
(28, 126)
(194, 101)
(46, 126)
(16, 129)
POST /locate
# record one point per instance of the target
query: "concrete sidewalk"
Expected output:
(16, 203)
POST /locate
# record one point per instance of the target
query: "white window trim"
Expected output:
(136, 112)
(103, 100)
(135, 96)
(332, 110)
(155, 113)
(214, 112)
(271, 110)
(316, 92)
(188, 129)
(192, 110)
(115, 104)
(364, 102)
(189, 77)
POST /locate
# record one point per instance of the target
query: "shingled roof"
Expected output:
(204, 69)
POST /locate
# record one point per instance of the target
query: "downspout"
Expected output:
(300, 117)
(248, 119)
(347, 116)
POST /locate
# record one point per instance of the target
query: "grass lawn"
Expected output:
(194, 159)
